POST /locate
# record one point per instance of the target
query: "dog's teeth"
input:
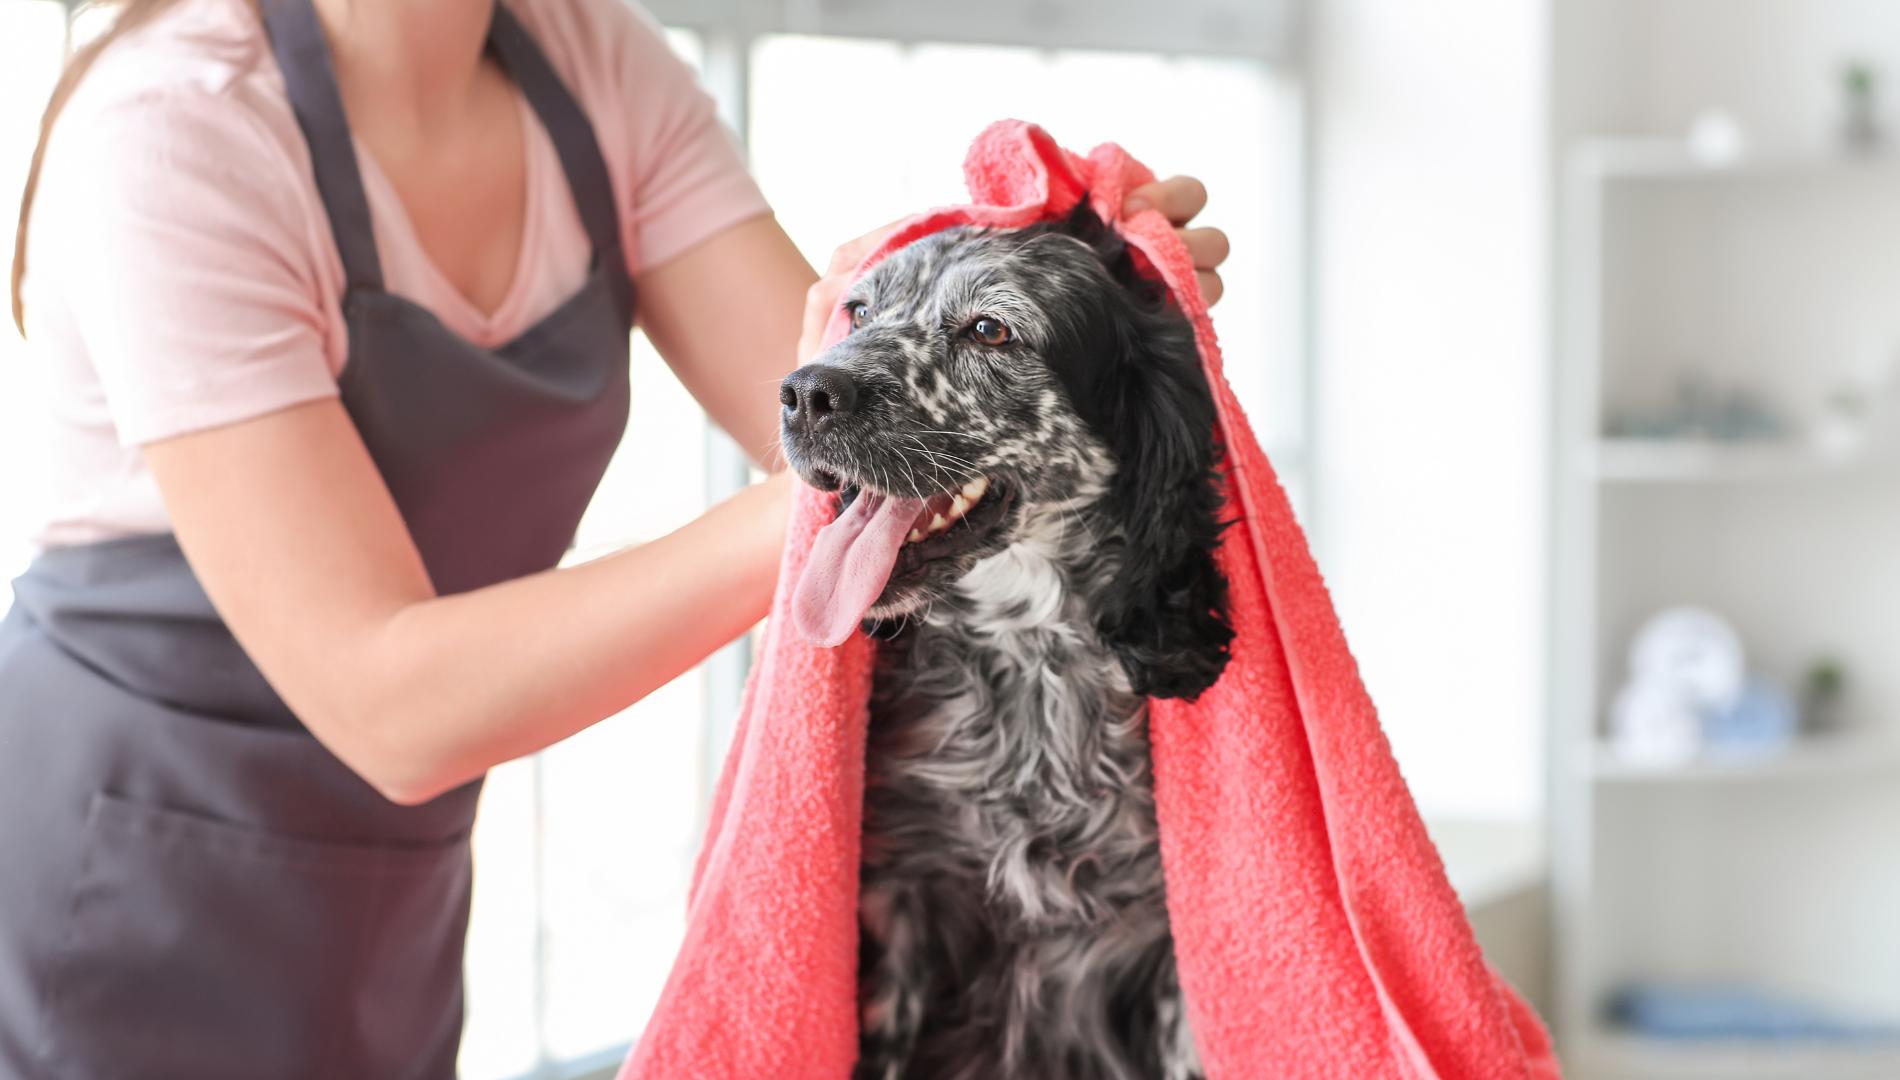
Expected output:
(958, 505)
(974, 489)
(938, 523)
(916, 535)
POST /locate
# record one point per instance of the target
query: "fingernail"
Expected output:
(1134, 206)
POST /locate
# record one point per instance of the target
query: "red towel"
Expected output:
(1316, 933)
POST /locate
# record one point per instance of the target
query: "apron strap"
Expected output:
(568, 128)
(296, 39)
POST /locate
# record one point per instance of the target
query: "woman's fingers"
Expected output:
(823, 296)
(1208, 247)
(820, 299)
(1178, 198)
(1211, 286)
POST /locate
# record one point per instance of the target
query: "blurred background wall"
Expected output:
(1555, 315)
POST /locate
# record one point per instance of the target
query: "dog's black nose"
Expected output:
(814, 394)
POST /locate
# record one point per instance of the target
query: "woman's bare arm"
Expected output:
(290, 528)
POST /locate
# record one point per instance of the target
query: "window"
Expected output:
(583, 852)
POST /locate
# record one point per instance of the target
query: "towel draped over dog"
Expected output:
(1315, 930)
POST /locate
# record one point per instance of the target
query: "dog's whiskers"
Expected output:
(972, 436)
(919, 443)
(935, 459)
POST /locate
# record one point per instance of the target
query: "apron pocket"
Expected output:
(204, 949)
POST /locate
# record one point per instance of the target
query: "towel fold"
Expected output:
(1315, 930)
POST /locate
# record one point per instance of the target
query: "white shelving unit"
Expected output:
(1626, 1056)
(1823, 758)
(1664, 461)
(1781, 273)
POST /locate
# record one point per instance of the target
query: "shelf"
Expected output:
(1671, 159)
(1814, 758)
(1679, 461)
(1751, 271)
(1634, 1057)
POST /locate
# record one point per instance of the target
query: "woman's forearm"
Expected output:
(302, 550)
(458, 684)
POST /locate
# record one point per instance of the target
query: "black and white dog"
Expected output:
(1023, 442)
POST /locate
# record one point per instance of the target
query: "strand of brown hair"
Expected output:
(132, 14)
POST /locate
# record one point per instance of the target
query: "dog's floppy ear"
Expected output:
(1165, 613)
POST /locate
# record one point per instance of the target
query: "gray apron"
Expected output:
(191, 886)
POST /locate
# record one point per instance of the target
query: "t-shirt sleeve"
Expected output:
(688, 177)
(170, 230)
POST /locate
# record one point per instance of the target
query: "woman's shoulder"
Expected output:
(177, 269)
(180, 138)
(196, 85)
(193, 49)
(192, 88)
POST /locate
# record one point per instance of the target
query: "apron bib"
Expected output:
(193, 886)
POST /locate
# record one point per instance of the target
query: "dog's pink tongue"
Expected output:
(850, 561)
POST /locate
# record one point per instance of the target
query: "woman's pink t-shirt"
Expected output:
(182, 273)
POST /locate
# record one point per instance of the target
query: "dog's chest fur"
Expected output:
(1013, 901)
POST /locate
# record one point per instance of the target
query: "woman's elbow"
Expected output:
(409, 792)
(401, 767)
(406, 773)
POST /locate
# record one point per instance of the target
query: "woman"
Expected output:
(330, 396)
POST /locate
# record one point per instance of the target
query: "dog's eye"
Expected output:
(859, 312)
(989, 331)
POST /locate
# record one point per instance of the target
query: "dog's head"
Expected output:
(992, 378)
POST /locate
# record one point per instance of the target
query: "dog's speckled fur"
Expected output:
(1013, 917)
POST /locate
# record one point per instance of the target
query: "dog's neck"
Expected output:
(1005, 710)
(1030, 591)
(1034, 595)
(1011, 667)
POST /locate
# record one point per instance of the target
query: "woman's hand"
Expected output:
(823, 296)
(1179, 198)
